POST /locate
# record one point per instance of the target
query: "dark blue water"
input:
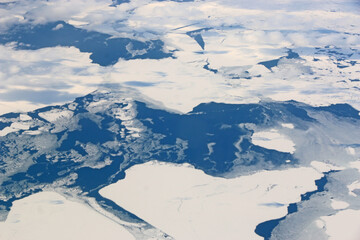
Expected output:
(4, 125)
(118, 2)
(341, 66)
(206, 67)
(89, 132)
(104, 49)
(10, 115)
(336, 53)
(292, 55)
(112, 207)
(273, 63)
(196, 35)
(215, 123)
(341, 110)
(298, 112)
(204, 125)
(270, 64)
(265, 229)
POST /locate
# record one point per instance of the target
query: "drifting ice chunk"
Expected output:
(273, 140)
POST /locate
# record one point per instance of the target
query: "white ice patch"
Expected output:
(188, 204)
(77, 23)
(127, 115)
(324, 167)
(18, 106)
(356, 165)
(336, 204)
(47, 69)
(353, 186)
(56, 114)
(180, 86)
(241, 34)
(14, 127)
(35, 132)
(288, 125)
(273, 140)
(344, 225)
(211, 147)
(320, 223)
(48, 215)
(351, 151)
(57, 27)
(25, 117)
(98, 106)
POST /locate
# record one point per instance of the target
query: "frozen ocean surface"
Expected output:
(147, 119)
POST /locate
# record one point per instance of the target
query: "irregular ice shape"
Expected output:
(188, 204)
(344, 225)
(273, 140)
(48, 215)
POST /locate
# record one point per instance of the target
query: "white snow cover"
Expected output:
(351, 150)
(353, 186)
(56, 114)
(25, 117)
(344, 225)
(48, 215)
(336, 204)
(356, 165)
(240, 35)
(188, 204)
(14, 127)
(288, 125)
(324, 167)
(273, 140)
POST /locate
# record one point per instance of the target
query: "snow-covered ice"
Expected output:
(273, 140)
(188, 204)
(344, 225)
(48, 215)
